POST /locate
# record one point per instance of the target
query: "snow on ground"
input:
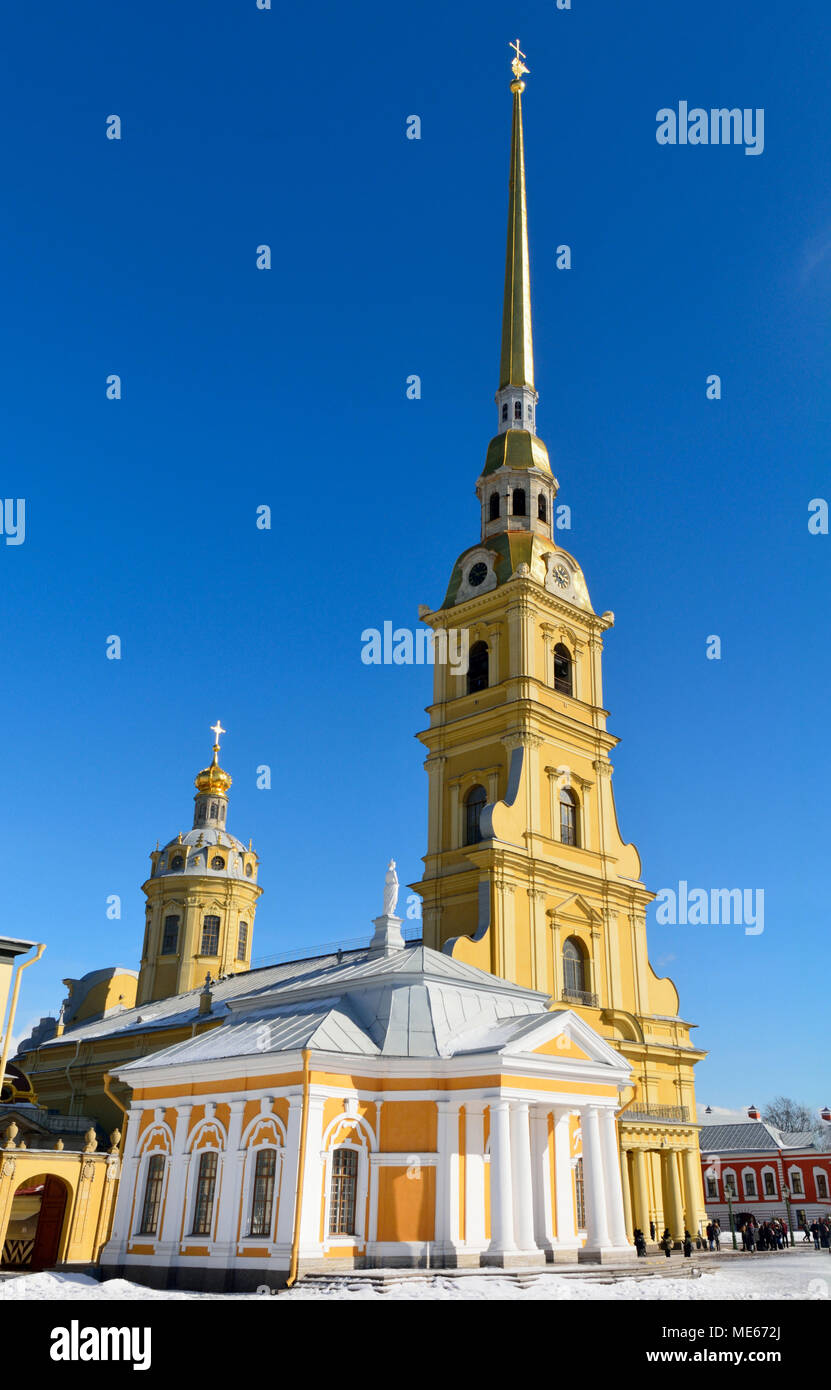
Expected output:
(803, 1275)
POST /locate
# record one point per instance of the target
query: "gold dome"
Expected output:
(214, 779)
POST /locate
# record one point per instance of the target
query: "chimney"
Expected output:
(753, 1113)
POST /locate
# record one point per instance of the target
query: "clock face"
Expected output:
(560, 576)
(478, 574)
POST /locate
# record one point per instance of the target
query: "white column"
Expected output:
(176, 1185)
(502, 1214)
(541, 1160)
(597, 1228)
(447, 1179)
(521, 1176)
(564, 1182)
(310, 1227)
(614, 1186)
(475, 1238)
(230, 1184)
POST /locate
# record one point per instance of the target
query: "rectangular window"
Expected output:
(242, 940)
(822, 1187)
(730, 1184)
(205, 1188)
(152, 1196)
(749, 1185)
(796, 1184)
(210, 936)
(568, 823)
(580, 1196)
(170, 937)
(263, 1202)
(770, 1185)
(712, 1189)
(344, 1185)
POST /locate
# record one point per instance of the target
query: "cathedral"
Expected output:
(515, 1088)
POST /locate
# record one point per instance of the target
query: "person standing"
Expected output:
(666, 1242)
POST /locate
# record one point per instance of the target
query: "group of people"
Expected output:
(765, 1235)
(666, 1242)
(770, 1235)
(821, 1233)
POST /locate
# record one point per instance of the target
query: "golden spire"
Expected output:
(517, 364)
(214, 778)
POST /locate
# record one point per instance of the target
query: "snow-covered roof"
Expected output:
(752, 1136)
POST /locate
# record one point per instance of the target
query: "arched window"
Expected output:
(477, 668)
(242, 940)
(494, 507)
(563, 670)
(210, 936)
(542, 509)
(262, 1203)
(504, 410)
(170, 936)
(475, 803)
(213, 810)
(152, 1196)
(568, 817)
(177, 863)
(517, 410)
(343, 1192)
(519, 501)
(574, 968)
(205, 1190)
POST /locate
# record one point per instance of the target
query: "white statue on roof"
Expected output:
(390, 890)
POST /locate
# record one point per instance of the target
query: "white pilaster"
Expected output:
(288, 1176)
(176, 1185)
(310, 1223)
(227, 1216)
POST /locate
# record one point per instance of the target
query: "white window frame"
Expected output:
(748, 1195)
(774, 1195)
(796, 1172)
(141, 1188)
(189, 1236)
(361, 1192)
(730, 1173)
(246, 1238)
(822, 1173)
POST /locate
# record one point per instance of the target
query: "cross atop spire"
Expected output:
(517, 65)
(216, 730)
(516, 369)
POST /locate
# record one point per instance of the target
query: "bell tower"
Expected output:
(201, 897)
(526, 873)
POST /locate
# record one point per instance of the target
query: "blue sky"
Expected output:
(287, 387)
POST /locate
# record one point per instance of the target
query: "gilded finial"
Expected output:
(517, 66)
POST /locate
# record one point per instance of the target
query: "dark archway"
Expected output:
(36, 1223)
